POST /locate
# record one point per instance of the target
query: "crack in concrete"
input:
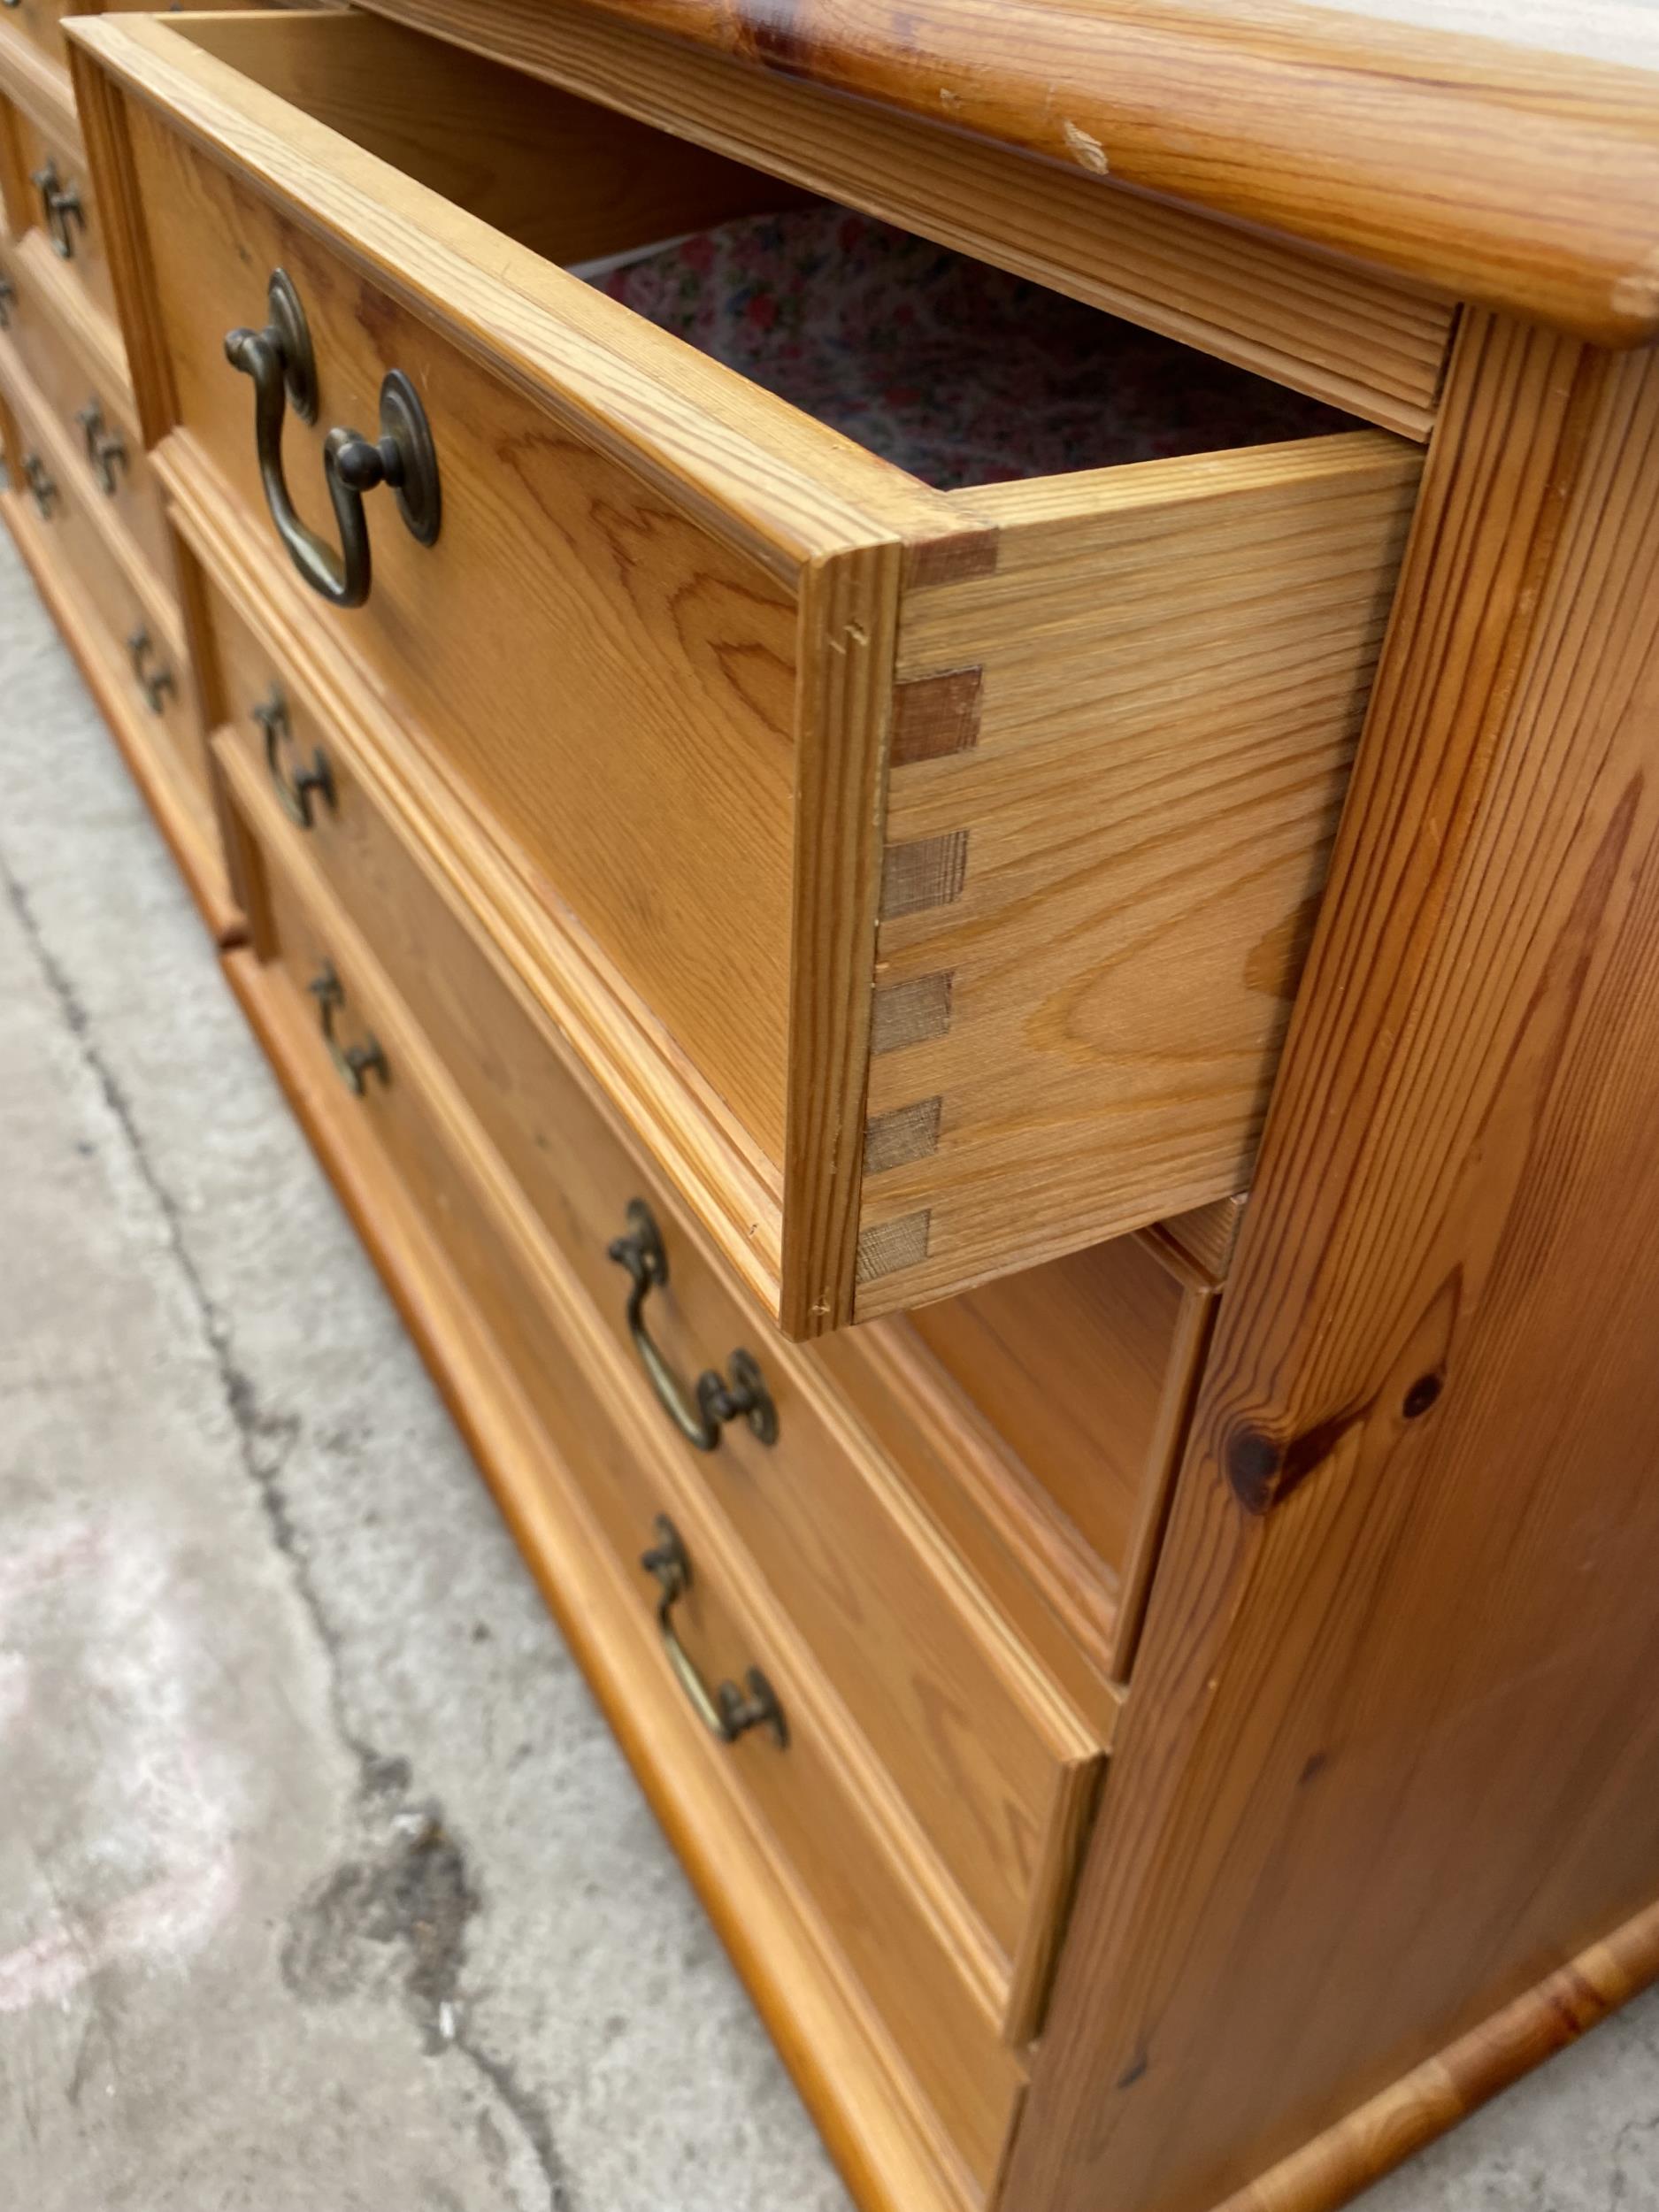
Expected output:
(424, 1896)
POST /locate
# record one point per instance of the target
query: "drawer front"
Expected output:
(591, 665)
(802, 1790)
(60, 205)
(959, 940)
(137, 641)
(98, 418)
(991, 1762)
(39, 21)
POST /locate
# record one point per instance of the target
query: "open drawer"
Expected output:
(925, 873)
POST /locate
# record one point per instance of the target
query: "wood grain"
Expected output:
(1412, 2111)
(779, 486)
(759, 702)
(1388, 1761)
(558, 576)
(80, 593)
(618, 1047)
(1511, 174)
(887, 2144)
(62, 354)
(87, 264)
(982, 1748)
(1341, 333)
(31, 72)
(826, 1803)
(1120, 874)
(481, 136)
(1070, 1365)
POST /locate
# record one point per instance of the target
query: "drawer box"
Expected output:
(87, 392)
(989, 1758)
(972, 839)
(826, 1807)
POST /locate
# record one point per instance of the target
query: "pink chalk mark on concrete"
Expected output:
(177, 1817)
(169, 1915)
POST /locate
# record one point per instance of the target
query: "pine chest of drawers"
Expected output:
(789, 939)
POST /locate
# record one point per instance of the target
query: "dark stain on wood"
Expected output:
(935, 715)
(953, 560)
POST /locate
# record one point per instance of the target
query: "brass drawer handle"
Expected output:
(353, 1064)
(272, 715)
(43, 488)
(280, 360)
(727, 1712)
(699, 1416)
(155, 683)
(8, 292)
(60, 206)
(107, 449)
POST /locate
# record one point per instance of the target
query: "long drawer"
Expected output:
(793, 1747)
(993, 1762)
(937, 864)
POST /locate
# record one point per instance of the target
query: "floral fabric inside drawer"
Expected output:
(959, 372)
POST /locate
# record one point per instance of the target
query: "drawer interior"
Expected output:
(959, 372)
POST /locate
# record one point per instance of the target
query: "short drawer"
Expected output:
(95, 410)
(938, 865)
(55, 201)
(805, 1779)
(137, 627)
(993, 1762)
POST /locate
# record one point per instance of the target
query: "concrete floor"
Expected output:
(322, 1885)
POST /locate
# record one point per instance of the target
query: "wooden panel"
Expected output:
(561, 609)
(1105, 1013)
(40, 22)
(744, 464)
(32, 76)
(886, 2143)
(1389, 1761)
(1447, 2087)
(1341, 333)
(979, 1744)
(1069, 1364)
(1474, 167)
(1119, 875)
(87, 263)
(484, 137)
(1204, 1240)
(826, 1803)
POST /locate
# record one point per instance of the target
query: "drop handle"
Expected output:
(702, 1412)
(61, 211)
(281, 361)
(353, 1064)
(107, 449)
(43, 485)
(155, 683)
(296, 791)
(727, 1712)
